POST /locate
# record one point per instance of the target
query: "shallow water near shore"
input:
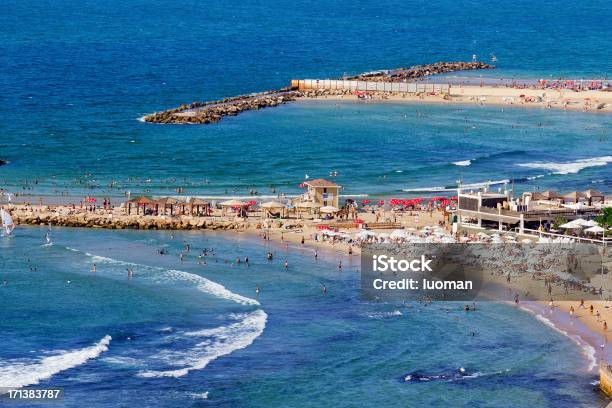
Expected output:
(187, 334)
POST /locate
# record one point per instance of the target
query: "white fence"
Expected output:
(395, 87)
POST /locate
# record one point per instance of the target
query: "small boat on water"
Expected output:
(493, 58)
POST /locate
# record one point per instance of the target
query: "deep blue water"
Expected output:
(76, 76)
(177, 335)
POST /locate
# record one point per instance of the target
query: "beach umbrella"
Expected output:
(398, 233)
(329, 209)
(272, 204)
(381, 202)
(233, 203)
(573, 224)
(589, 223)
(595, 230)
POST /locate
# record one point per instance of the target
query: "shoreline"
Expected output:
(488, 96)
(582, 328)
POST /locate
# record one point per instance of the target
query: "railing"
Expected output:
(375, 86)
(604, 241)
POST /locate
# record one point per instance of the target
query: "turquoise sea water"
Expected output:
(178, 338)
(76, 76)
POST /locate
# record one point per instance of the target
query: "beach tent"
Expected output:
(329, 209)
(594, 196)
(271, 205)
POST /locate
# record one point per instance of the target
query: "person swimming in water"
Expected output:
(324, 288)
(286, 264)
(270, 256)
(257, 290)
(93, 269)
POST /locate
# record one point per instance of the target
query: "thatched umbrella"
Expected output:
(197, 203)
(549, 195)
(164, 203)
(140, 201)
(574, 196)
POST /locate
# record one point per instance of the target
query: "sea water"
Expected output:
(196, 333)
(75, 78)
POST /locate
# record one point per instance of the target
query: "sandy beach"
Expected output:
(584, 101)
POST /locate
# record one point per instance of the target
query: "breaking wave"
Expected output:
(462, 163)
(454, 188)
(569, 167)
(202, 346)
(21, 373)
(211, 344)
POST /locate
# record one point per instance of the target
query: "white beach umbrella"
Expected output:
(329, 209)
(398, 233)
(572, 224)
(595, 230)
(589, 223)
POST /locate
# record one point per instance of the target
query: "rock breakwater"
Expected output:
(420, 71)
(214, 111)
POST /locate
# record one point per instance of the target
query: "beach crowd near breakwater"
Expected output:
(214, 111)
(572, 95)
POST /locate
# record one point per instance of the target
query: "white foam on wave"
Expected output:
(203, 284)
(569, 167)
(16, 374)
(208, 286)
(587, 349)
(382, 315)
(462, 163)
(464, 186)
(219, 341)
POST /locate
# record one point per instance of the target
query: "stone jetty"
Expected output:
(63, 217)
(214, 111)
(419, 71)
